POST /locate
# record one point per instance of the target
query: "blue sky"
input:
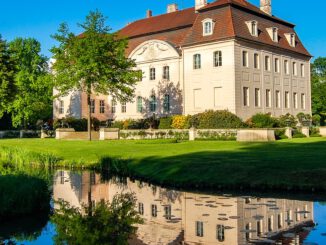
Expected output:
(40, 19)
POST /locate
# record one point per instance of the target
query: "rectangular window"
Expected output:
(218, 97)
(220, 233)
(152, 103)
(286, 67)
(141, 208)
(303, 101)
(280, 220)
(267, 63)
(197, 61)
(166, 73)
(152, 74)
(139, 104)
(113, 106)
(123, 107)
(92, 106)
(294, 67)
(245, 96)
(278, 98)
(154, 210)
(277, 65)
(245, 61)
(275, 36)
(102, 106)
(254, 29)
(270, 224)
(259, 228)
(166, 103)
(218, 58)
(287, 100)
(61, 107)
(207, 28)
(302, 70)
(257, 97)
(199, 229)
(256, 61)
(168, 212)
(295, 100)
(268, 98)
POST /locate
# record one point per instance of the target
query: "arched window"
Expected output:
(166, 103)
(208, 26)
(217, 58)
(152, 103)
(139, 104)
(197, 61)
(220, 233)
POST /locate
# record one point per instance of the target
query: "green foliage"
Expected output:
(261, 120)
(106, 223)
(22, 195)
(318, 88)
(32, 99)
(287, 120)
(135, 123)
(280, 134)
(7, 70)
(213, 135)
(314, 132)
(93, 62)
(165, 123)
(298, 134)
(304, 118)
(316, 120)
(216, 120)
(79, 125)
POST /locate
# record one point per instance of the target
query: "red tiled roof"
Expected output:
(184, 27)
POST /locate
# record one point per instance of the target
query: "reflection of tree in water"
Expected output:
(170, 195)
(104, 223)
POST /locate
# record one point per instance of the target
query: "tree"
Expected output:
(7, 70)
(318, 88)
(105, 223)
(32, 99)
(93, 62)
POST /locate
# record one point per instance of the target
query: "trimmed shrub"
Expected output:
(180, 122)
(287, 120)
(261, 120)
(316, 120)
(165, 123)
(216, 120)
(314, 132)
(298, 134)
(303, 118)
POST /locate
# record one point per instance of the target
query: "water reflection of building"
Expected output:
(173, 217)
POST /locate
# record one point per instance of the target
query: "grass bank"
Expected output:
(287, 164)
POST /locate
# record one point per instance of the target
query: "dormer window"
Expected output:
(253, 27)
(291, 38)
(273, 33)
(208, 26)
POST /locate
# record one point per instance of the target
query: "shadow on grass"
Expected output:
(274, 166)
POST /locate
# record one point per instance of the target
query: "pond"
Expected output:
(180, 217)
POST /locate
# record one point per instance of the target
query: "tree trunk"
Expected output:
(89, 128)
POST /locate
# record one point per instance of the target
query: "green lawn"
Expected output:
(297, 163)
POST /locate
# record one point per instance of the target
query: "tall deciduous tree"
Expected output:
(7, 70)
(93, 62)
(32, 99)
(318, 88)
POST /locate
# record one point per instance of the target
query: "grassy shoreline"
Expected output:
(297, 164)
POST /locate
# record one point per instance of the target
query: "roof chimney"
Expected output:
(200, 3)
(149, 13)
(172, 8)
(266, 6)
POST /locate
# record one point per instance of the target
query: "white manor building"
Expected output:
(228, 54)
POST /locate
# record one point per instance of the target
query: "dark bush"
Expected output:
(215, 120)
(165, 123)
(261, 120)
(298, 134)
(316, 120)
(78, 124)
(280, 134)
(314, 132)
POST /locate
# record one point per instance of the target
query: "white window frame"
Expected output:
(256, 61)
(253, 27)
(268, 98)
(152, 74)
(290, 37)
(197, 61)
(303, 101)
(217, 58)
(287, 100)
(208, 23)
(166, 73)
(278, 99)
(302, 66)
(102, 106)
(61, 107)
(245, 58)
(257, 97)
(286, 67)
(246, 96)
(123, 107)
(267, 63)
(277, 65)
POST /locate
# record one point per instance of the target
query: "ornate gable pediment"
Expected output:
(153, 50)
